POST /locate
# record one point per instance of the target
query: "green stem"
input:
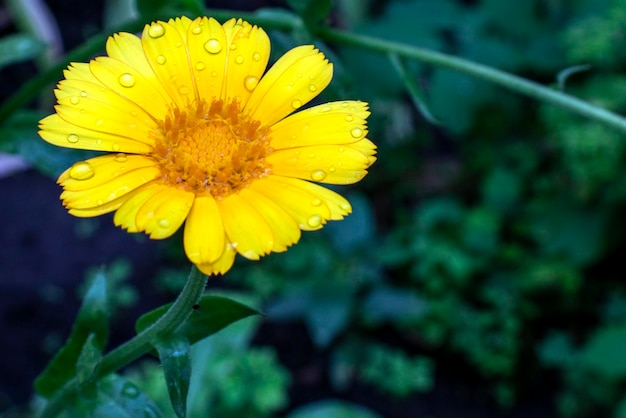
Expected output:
(142, 342)
(510, 81)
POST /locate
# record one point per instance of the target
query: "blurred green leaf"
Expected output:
(332, 409)
(395, 305)
(87, 364)
(604, 351)
(311, 11)
(18, 47)
(212, 314)
(92, 318)
(120, 398)
(174, 353)
(152, 7)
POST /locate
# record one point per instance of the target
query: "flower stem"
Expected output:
(510, 81)
(142, 342)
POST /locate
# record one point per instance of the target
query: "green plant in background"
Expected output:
(488, 234)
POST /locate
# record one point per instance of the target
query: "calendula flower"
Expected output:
(198, 133)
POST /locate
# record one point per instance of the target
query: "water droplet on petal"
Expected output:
(250, 82)
(233, 46)
(345, 206)
(239, 59)
(344, 104)
(256, 56)
(317, 202)
(318, 175)
(349, 118)
(332, 169)
(156, 30)
(199, 66)
(213, 46)
(356, 132)
(163, 223)
(326, 109)
(121, 157)
(197, 30)
(314, 221)
(72, 138)
(116, 147)
(83, 94)
(75, 100)
(161, 59)
(312, 87)
(98, 141)
(126, 80)
(184, 90)
(296, 104)
(213, 73)
(82, 170)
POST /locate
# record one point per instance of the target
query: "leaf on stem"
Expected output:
(92, 319)
(211, 315)
(174, 352)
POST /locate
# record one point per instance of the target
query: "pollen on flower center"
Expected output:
(211, 149)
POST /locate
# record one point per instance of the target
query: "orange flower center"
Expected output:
(213, 149)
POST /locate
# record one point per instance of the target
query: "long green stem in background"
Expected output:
(142, 342)
(286, 21)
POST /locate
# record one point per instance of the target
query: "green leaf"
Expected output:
(120, 398)
(92, 319)
(87, 364)
(311, 11)
(174, 353)
(18, 47)
(604, 352)
(151, 7)
(332, 409)
(212, 314)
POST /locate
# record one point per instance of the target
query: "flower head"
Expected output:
(198, 133)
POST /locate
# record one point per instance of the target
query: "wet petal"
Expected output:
(164, 212)
(295, 79)
(208, 50)
(246, 229)
(204, 232)
(337, 204)
(126, 215)
(222, 264)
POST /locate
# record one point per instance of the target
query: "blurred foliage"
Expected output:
(492, 241)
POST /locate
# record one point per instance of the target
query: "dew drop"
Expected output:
(75, 100)
(161, 59)
(345, 206)
(199, 66)
(184, 90)
(344, 104)
(356, 132)
(296, 104)
(318, 175)
(326, 109)
(314, 221)
(239, 59)
(72, 138)
(121, 157)
(256, 56)
(82, 170)
(317, 202)
(126, 80)
(98, 141)
(250, 82)
(312, 87)
(213, 46)
(332, 169)
(233, 46)
(163, 223)
(129, 390)
(197, 30)
(213, 73)
(115, 147)
(349, 118)
(156, 31)
(83, 94)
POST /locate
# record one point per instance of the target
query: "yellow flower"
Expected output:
(197, 133)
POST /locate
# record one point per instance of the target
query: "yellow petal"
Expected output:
(337, 204)
(249, 52)
(308, 210)
(295, 79)
(127, 82)
(204, 232)
(164, 212)
(329, 123)
(284, 228)
(222, 264)
(79, 71)
(246, 229)
(206, 42)
(64, 134)
(334, 164)
(127, 48)
(107, 191)
(166, 52)
(102, 169)
(182, 25)
(126, 215)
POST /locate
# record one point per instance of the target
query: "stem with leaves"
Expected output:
(142, 343)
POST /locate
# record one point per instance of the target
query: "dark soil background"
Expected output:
(44, 257)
